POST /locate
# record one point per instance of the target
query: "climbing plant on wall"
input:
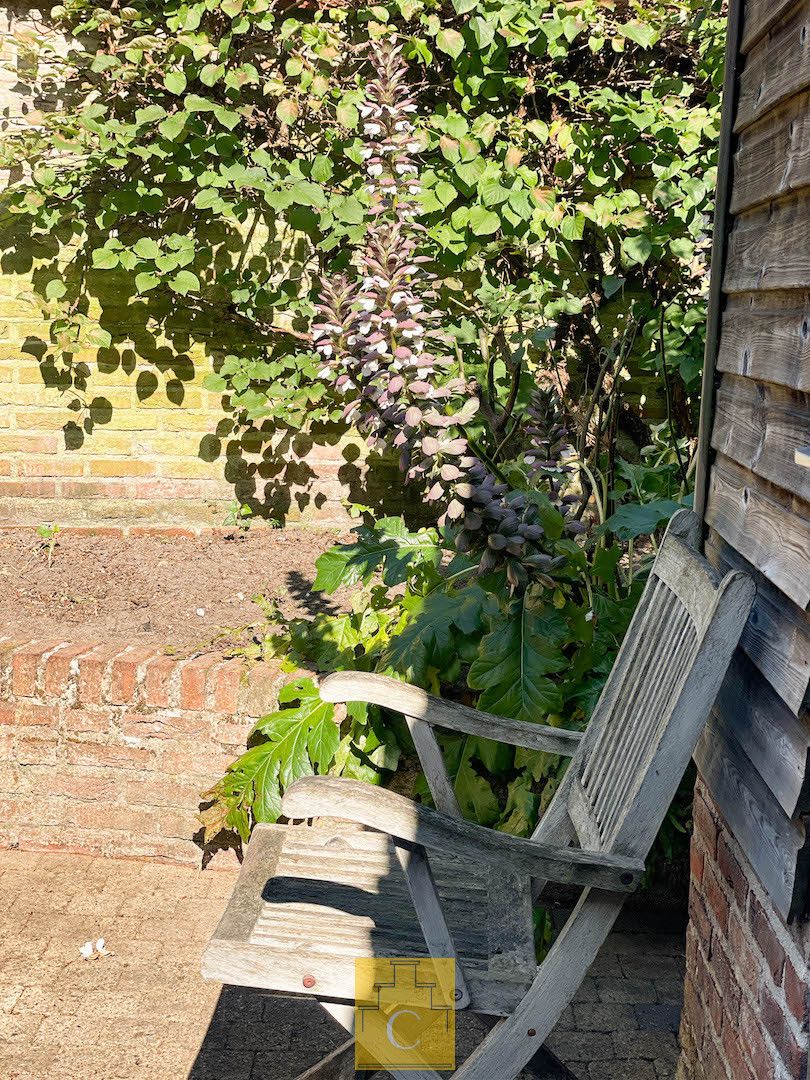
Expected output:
(195, 163)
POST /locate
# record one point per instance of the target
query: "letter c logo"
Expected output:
(389, 1029)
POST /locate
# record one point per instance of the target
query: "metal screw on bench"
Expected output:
(309, 981)
(531, 1033)
(627, 879)
(457, 995)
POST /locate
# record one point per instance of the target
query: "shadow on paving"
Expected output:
(262, 1037)
(622, 1024)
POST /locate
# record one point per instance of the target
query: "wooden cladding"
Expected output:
(767, 337)
(761, 427)
(777, 68)
(768, 249)
(769, 734)
(755, 753)
(763, 523)
(776, 639)
(773, 157)
(771, 840)
(760, 16)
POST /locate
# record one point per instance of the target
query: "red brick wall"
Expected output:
(746, 994)
(106, 748)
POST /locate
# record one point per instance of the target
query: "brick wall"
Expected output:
(746, 995)
(106, 748)
(127, 434)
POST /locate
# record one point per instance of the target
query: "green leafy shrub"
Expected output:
(210, 173)
(195, 169)
(423, 612)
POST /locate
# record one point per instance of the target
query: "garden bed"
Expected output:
(120, 703)
(152, 589)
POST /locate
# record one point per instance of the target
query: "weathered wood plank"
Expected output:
(767, 248)
(406, 820)
(769, 733)
(428, 906)
(758, 18)
(761, 427)
(776, 638)
(582, 816)
(418, 704)
(432, 761)
(719, 253)
(770, 840)
(700, 683)
(332, 895)
(776, 68)
(773, 156)
(512, 1043)
(692, 580)
(767, 336)
(768, 526)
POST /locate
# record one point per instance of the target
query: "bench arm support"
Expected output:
(411, 701)
(326, 796)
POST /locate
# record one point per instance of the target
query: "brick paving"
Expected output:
(146, 1012)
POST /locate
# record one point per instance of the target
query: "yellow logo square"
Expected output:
(405, 1016)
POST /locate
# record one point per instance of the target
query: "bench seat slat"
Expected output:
(311, 899)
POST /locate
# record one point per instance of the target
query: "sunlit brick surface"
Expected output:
(747, 986)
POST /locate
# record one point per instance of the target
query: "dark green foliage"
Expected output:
(541, 656)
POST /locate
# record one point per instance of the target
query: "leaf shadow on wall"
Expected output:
(120, 352)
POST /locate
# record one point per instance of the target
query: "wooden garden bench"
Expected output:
(309, 900)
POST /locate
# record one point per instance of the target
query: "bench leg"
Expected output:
(545, 1065)
(515, 1041)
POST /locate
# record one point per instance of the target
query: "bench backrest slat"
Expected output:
(658, 696)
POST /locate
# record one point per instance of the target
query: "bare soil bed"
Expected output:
(154, 589)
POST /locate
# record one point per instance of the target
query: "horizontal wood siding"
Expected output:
(771, 840)
(759, 17)
(768, 248)
(764, 523)
(761, 427)
(767, 336)
(777, 67)
(754, 755)
(776, 639)
(768, 732)
(773, 157)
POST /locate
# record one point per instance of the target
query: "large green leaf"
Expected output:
(475, 796)
(641, 519)
(450, 42)
(389, 545)
(289, 731)
(323, 742)
(427, 640)
(514, 661)
(262, 767)
(522, 805)
(289, 735)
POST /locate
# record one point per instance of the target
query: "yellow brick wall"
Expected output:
(106, 455)
(136, 439)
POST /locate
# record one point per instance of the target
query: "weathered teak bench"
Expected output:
(310, 900)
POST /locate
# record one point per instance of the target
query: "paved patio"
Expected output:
(145, 1012)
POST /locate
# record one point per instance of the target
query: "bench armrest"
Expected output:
(326, 796)
(411, 701)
